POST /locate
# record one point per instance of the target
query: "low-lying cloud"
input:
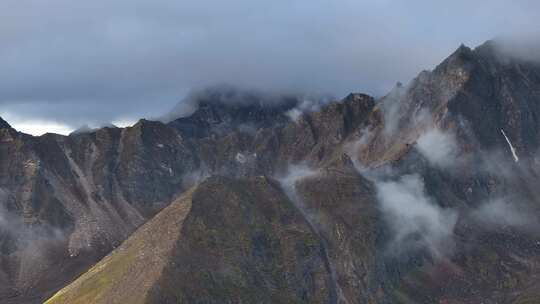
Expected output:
(391, 106)
(505, 213)
(23, 235)
(440, 148)
(306, 106)
(415, 219)
(288, 181)
(524, 46)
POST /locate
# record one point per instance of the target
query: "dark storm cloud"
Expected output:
(97, 61)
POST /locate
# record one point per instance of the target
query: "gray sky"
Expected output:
(64, 63)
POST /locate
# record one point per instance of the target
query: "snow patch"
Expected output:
(167, 168)
(512, 149)
(240, 158)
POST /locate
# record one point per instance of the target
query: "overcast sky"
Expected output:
(66, 63)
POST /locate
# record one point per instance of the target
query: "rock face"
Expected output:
(255, 245)
(427, 195)
(341, 204)
(4, 124)
(228, 240)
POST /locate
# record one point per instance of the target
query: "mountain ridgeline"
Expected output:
(426, 195)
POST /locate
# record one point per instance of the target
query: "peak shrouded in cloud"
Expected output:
(97, 62)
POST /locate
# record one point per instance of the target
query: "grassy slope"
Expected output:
(137, 263)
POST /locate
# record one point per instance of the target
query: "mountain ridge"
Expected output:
(438, 139)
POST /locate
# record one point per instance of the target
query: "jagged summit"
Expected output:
(220, 110)
(220, 96)
(4, 124)
(493, 55)
(489, 47)
(481, 91)
(88, 129)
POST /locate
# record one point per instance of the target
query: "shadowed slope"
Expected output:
(240, 241)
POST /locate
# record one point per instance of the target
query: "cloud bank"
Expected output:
(416, 221)
(102, 61)
(505, 213)
(440, 148)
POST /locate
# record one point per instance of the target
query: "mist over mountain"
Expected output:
(73, 64)
(425, 194)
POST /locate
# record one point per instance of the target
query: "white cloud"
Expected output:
(504, 212)
(438, 147)
(85, 63)
(294, 174)
(124, 123)
(36, 127)
(416, 221)
(305, 106)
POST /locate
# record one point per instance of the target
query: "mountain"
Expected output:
(71, 200)
(68, 201)
(426, 195)
(253, 241)
(223, 109)
(4, 124)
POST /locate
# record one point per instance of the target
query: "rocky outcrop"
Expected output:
(4, 124)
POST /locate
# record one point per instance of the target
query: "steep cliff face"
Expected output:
(455, 136)
(501, 94)
(67, 201)
(427, 195)
(486, 97)
(84, 194)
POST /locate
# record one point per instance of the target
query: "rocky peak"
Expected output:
(488, 49)
(84, 129)
(455, 69)
(499, 92)
(219, 111)
(482, 92)
(7, 133)
(4, 124)
(358, 97)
